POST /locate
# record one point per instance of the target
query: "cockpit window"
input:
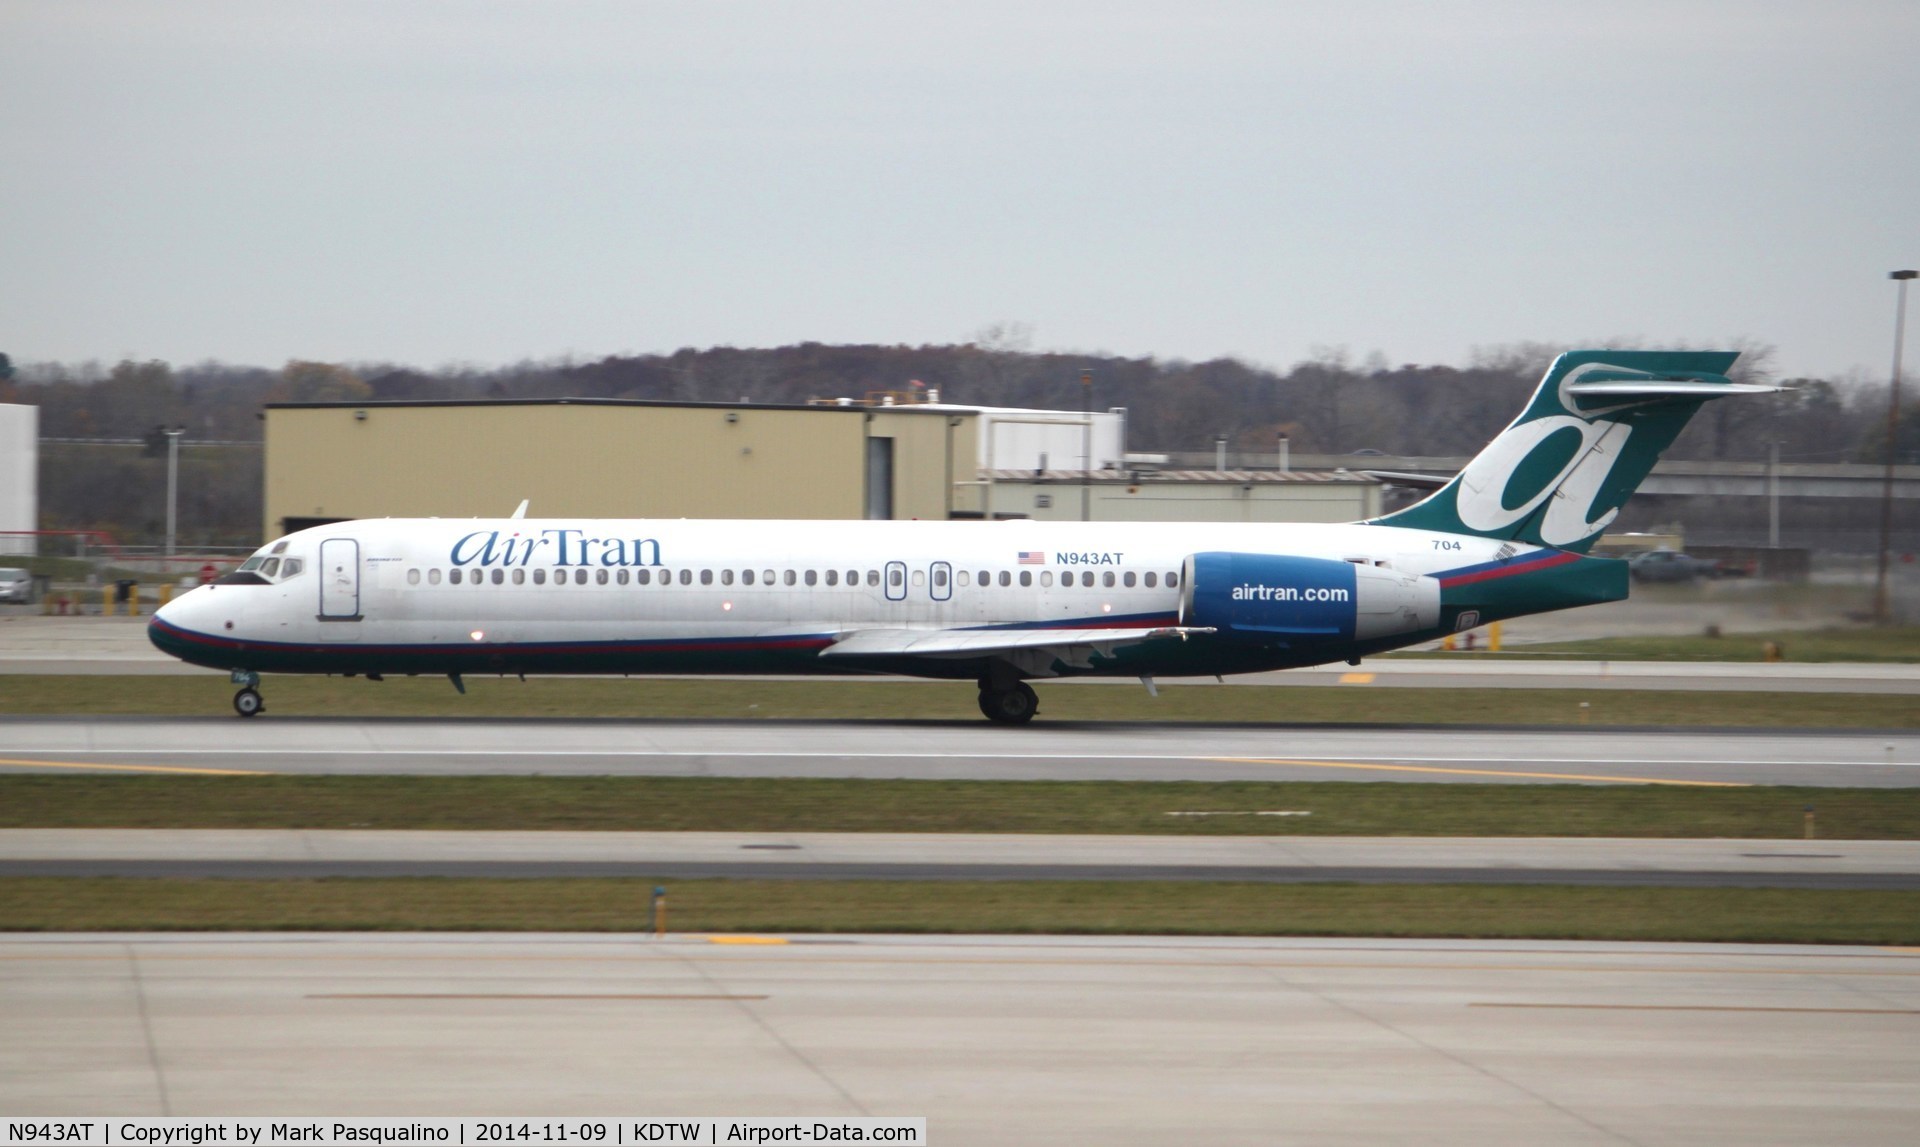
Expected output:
(251, 564)
(270, 567)
(291, 568)
(279, 547)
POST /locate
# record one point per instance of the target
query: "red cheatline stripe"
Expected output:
(1558, 559)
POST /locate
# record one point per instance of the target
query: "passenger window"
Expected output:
(413, 577)
(940, 577)
(833, 577)
(1126, 579)
(453, 577)
(766, 577)
(726, 577)
(1106, 579)
(1150, 579)
(620, 575)
(746, 577)
(1026, 577)
(1005, 579)
(1173, 581)
(539, 577)
(600, 576)
(919, 578)
(790, 577)
(1046, 579)
(812, 577)
(579, 577)
(706, 577)
(853, 577)
(643, 577)
(873, 577)
(894, 580)
(519, 577)
(686, 577)
(964, 578)
(433, 577)
(499, 576)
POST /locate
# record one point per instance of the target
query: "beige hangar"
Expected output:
(619, 458)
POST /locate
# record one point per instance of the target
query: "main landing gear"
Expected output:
(247, 702)
(1013, 704)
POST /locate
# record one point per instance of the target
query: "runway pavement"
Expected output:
(946, 750)
(1112, 1040)
(279, 853)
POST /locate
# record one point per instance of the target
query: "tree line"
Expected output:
(1329, 404)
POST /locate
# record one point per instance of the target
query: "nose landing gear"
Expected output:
(247, 702)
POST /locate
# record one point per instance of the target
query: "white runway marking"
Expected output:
(863, 755)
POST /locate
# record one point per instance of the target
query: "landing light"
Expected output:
(726, 605)
(477, 634)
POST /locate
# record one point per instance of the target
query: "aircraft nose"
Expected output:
(167, 623)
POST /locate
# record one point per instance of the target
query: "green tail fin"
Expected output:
(1559, 474)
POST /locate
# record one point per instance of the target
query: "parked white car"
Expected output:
(16, 585)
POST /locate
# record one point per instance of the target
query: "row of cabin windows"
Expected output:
(895, 576)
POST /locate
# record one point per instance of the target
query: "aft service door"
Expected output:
(339, 580)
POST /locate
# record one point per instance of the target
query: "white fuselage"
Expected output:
(530, 590)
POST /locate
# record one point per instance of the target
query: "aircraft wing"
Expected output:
(977, 642)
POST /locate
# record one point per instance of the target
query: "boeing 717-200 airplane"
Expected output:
(997, 603)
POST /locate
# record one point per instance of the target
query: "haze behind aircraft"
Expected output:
(996, 603)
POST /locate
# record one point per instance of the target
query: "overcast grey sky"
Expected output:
(486, 182)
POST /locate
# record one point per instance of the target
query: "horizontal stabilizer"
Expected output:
(1677, 389)
(1411, 481)
(980, 642)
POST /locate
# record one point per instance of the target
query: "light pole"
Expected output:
(1881, 605)
(1086, 446)
(173, 479)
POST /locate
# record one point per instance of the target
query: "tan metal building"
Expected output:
(1186, 495)
(622, 458)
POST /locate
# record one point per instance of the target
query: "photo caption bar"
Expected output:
(624, 1131)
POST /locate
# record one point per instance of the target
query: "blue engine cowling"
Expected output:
(1276, 597)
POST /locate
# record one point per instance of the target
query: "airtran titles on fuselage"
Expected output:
(553, 547)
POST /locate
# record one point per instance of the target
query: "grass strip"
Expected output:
(795, 804)
(1749, 915)
(949, 701)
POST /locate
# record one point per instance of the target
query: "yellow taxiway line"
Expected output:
(28, 764)
(1476, 772)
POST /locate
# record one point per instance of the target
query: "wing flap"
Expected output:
(976, 642)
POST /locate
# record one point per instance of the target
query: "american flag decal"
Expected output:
(1033, 558)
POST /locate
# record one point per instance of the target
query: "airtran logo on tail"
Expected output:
(558, 547)
(1565, 457)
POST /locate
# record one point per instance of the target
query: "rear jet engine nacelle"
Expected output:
(1273, 596)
